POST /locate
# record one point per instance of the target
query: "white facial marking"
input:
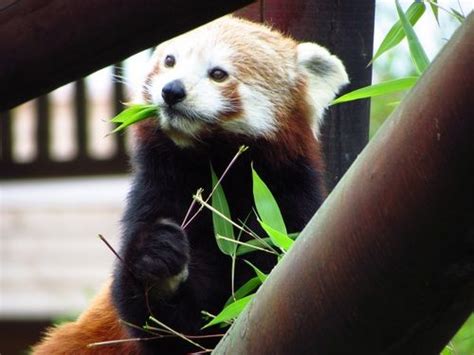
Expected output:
(258, 116)
(195, 57)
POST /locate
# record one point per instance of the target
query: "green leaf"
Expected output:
(447, 351)
(129, 112)
(396, 33)
(131, 116)
(387, 87)
(230, 312)
(259, 243)
(293, 235)
(460, 17)
(417, 52)
(281, 240)
(221, 226)
(245, 289)
(260, 274)
(434, 9)
(266, 204)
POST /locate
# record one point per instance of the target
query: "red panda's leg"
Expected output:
(155, 267)
(98, 323)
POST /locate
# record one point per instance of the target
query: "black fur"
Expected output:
(153, 249)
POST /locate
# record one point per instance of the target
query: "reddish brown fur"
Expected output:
(98, 323)
(295, 136)
(230, 92)
(143, 131)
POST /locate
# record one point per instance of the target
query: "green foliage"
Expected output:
(222, 226)
(392, 88)
(397, 33)
(463, 341)
(457, 15)
(417, 52)
(260, 274)
(133, 114)
(279, 239)
(271, 221)
(253, 245)
(402, 29)
(230, 312)
(244, 290)
(384, 88)
(434, 9)
(266, 205)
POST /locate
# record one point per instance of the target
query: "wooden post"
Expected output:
(346, 28)
(386, 266)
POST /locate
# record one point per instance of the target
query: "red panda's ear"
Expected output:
(319, 63)
(325, 74)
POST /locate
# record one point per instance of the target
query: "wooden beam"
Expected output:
(48, 43)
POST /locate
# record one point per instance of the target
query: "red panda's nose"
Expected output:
(173, 92)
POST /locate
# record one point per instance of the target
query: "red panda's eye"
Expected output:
(218, 74)
(170, 61)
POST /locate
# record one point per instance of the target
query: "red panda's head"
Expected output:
(239, 77)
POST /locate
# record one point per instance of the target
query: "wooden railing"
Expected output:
(42, 163)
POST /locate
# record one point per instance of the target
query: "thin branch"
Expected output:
(188, 212)
(177, 333)
(170, 334)
(247, 245)
(131, 325)
(242, 149)
(232, 281)
(205, 204)
(101, 237)
(256, 236)
(121, 341)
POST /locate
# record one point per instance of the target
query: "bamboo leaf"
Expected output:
(260, 274)
(129, 112)
(293, 235)
(266, 205)
(460, 17)
(434, 9)
(396, 34)
(131, 116)
(449, 349)
(230, 312)
(417, 52)
(250, 244)
(387, 87)
(245, 289)
(222, 226)
(281, 240)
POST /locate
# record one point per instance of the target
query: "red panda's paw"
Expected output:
(160, 259)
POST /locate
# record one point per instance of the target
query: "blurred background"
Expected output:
(63, 182)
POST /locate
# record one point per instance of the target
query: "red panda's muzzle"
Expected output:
(173, 92)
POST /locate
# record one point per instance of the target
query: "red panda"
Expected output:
(226, 84)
